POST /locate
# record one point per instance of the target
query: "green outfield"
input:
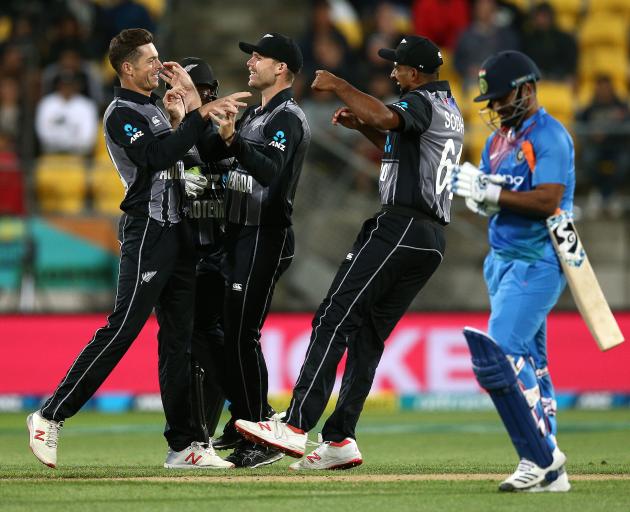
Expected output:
(412, 461)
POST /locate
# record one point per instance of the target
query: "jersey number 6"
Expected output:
(446, 164)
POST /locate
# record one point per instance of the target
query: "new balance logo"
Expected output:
(147, 276)
(237, 287)
(264, 426)
(39, 435)
(313, 457)
(193, 459)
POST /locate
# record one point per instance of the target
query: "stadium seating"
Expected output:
(603, 30)
(619, 7)
(567, 12)
(557, 99)
(61, 183)
(107, 188)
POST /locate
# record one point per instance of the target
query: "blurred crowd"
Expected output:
(585, 69)
(55, 80)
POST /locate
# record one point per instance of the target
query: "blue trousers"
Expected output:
(521, 295)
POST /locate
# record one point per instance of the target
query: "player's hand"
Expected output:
(469, 182)
(227, 126)
(345, 117)
(325, 81)
(483, 209)
(174, 104)
(225, 105)
(195, 183)
(177, 77)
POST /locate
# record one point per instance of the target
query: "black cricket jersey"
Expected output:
(147, 153)
(270, 145)
(418, 155)
(207, 211)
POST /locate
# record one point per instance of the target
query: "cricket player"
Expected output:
(393, 257)
(205, 210)
(526, 174)
(269, 144)
(157, 263)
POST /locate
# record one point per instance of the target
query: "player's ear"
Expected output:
(126, 68)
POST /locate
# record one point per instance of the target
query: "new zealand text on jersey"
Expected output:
(173, 173)
(207, 209)
(240, 182)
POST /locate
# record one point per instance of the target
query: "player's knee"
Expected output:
(494, 377)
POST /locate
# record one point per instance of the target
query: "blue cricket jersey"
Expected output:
(541, 151)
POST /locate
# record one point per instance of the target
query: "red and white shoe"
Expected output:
(43, 436)
(196, 456)
(331, 455)
(274, 433)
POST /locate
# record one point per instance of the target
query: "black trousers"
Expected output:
(157, 269)
(256, 257)
(391, 260)
(208, 340)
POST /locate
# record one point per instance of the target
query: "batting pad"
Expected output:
(495, 374)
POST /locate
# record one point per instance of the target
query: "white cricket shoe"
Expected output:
(560, 484)
(274, 433)
(43, 435)
(331, 455)
(528, 474)
(196, 456)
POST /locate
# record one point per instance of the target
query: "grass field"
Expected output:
(412, 461)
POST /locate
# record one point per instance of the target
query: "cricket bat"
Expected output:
(585, 289)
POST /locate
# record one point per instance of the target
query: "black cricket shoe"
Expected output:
(250, 455)
(229, 439)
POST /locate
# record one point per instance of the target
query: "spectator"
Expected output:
(65, 33)
(321, 25)
(71, 62)
(11, 178)
(555, 51)
(605, 153)
(484, 37)
(10, 109)
(66, 121)
(118, 15)
(442, 21)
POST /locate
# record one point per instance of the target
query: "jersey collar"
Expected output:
(281, 97)
(437, 85)
(136, 97)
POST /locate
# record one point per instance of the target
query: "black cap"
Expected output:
(503, 72)
(200, 71)
(279, 47)
(416, 51)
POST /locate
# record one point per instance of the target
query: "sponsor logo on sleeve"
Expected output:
(402, 105)
(133, 133)
(279, 140)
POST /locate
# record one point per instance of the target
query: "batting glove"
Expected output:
(469, 182)
(483, 209)
(195, 184)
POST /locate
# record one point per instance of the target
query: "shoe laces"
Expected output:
(199, 446)
(525, 465)
(53, 433)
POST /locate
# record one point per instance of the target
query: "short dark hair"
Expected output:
(124, 46)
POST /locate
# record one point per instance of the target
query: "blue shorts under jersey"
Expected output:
(540, 152)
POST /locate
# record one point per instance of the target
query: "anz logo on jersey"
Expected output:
(278, 140)
(402, 105)
(132, 132)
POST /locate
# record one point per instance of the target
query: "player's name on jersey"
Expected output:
(206, 209)
(240, 182)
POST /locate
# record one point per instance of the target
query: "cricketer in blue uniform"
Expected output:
(526, 173)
